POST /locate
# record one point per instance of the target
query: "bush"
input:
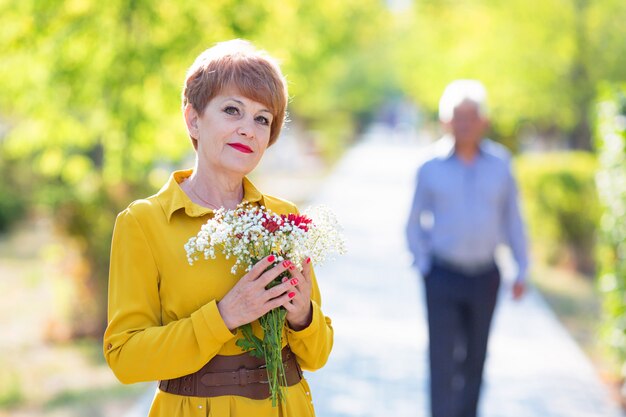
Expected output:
(561, 206)
(611, 179)
(12, 200)
(11, 208)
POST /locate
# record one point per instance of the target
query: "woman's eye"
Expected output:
(263, 120)
(232, 110)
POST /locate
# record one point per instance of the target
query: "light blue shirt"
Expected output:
(462, 211)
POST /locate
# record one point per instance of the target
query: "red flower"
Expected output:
(271, 223)
(300, 221)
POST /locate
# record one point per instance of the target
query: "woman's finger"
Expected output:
(306, 269)
(286, 287)
(299, 313)
(290, 307)
(297, 274)
(277, 302)
(303, 275)
(271, 274)
(259, 267)
(300, 300)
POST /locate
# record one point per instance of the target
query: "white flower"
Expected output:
(250, 233)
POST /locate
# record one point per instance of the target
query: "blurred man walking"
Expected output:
(465, 205)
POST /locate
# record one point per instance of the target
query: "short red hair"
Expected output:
(238, 64)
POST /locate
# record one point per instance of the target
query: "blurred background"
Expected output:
(90, 120)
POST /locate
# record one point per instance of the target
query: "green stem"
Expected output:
(270, 347)
(273, 323)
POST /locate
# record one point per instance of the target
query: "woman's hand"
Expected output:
(299, 310)
(248, 299)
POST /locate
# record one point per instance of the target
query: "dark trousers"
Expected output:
(460, 308)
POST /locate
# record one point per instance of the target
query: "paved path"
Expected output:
(379, 363)
(378, 367)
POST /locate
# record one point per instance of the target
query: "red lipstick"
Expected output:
(240, 147)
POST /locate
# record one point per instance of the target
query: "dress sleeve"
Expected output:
(312, 345)
(137, 346)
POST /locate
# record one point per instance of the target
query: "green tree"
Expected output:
(611, 180)
(89, 97)
(541, 62)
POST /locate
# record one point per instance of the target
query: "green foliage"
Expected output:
(13, 192)
(553, 188)
(11, 394)
(90, 98)
(89, 90)
(541, 62)
(250, 343)
(611, 180)
(335, 58)
(12, 206)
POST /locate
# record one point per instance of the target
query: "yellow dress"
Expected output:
(163, 320)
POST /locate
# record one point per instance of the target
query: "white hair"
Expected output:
(459, 91)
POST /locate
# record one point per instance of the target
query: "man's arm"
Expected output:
(515, 233)
(418, 237)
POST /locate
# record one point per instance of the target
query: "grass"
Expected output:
(575, 299)
(94, 398)
(43, 373)
(11, 394)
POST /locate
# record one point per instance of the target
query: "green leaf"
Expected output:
(250, 343)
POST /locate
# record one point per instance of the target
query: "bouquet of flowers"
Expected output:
(248, 234)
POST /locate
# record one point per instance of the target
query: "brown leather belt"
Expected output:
(242, 375)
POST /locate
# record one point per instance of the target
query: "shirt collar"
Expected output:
(173, 198)
(445, 147)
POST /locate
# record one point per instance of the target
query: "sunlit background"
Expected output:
(90, 120)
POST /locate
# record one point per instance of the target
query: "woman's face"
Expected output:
(232, 133)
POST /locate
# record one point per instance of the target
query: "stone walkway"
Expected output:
(379, 362)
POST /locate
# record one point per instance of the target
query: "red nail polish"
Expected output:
(271, 258)
(291, 294)
(286, 263)
(294, 281)
(292, 267)
(308, 260)
(284, 279)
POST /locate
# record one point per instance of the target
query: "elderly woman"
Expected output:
(171, 322)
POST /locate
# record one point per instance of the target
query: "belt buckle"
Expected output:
(263, 369)
(243, 380)
(243, 373)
